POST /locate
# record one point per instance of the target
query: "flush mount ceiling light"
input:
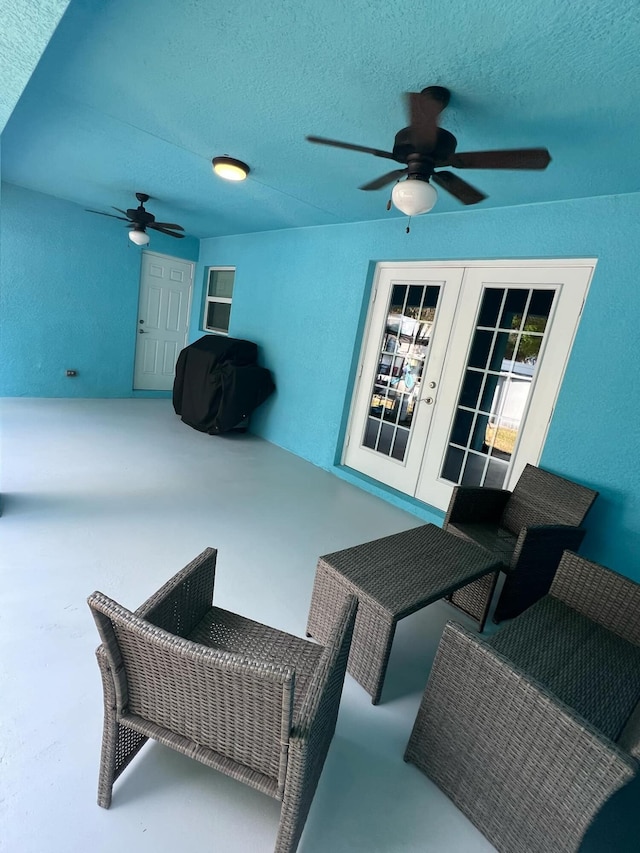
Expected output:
(230, 169)
(139, 236)
(414, 196)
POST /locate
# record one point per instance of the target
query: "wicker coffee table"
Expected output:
(392, 577)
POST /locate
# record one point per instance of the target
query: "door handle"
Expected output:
(141, 332)
(427, 400)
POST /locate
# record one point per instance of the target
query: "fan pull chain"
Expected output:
(409, 225)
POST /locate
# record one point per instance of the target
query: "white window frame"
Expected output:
(217, 299)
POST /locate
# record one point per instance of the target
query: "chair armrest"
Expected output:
(313, 729)
(182, 601)
(533, 565)
(610, 599)
(474, 505)
(525, 768)
(544, 544)
(324, 690)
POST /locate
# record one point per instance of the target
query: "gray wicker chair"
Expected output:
(248, 700)
(527, 529)
(530, 732)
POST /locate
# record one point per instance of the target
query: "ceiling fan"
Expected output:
(139, 219)
(424, 147)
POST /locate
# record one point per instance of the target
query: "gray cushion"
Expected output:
(586, 666)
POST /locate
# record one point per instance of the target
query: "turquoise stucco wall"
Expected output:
(68, 298)
(302, 295)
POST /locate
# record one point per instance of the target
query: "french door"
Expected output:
(459, 372)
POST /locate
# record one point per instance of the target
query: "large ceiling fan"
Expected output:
(139, 219)
(424, 148)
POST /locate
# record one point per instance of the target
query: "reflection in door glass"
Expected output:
(403, 355)
(501, 368)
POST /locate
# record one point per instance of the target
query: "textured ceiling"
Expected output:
(139, 96)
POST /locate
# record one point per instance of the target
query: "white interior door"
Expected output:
(163, 320)
(460, 369)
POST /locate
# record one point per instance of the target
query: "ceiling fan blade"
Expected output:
(102, 213)
(168, 225)
(156, 227)
(383, 180)
(463, 191)
(518, 158)
(334, 142)
(423, 112)
(125, 212)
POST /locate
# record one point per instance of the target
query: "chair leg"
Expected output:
(119, 744)
(303, 774)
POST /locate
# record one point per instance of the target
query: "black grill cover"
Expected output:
(218, 383)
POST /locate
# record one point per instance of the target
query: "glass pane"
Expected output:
(400, 444)
(221, 283)
(478, 439)
(501, 350)
(461, 427)
(528, 350)
(539, 310)
(218, 314)
(491, 302)
(473, 470)
(480, 349)
(496, 473)
(513, 310)
(453, 464)
(489, 401)
(501, 437)
(401, 360)
(471, 389)
(385, 439)
(371, 433)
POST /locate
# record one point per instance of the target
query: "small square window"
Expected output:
(218, 297)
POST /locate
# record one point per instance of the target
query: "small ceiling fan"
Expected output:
(424, 147)
(139, 220)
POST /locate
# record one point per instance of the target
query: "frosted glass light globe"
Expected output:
(140, 238)
(414, 197)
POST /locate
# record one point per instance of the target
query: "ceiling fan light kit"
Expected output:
(230, 169)
(139, 237)
(414, 196)
(424, 148)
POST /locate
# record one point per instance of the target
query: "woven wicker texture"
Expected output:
(392, 577)
(587, 667)
(255, 703)
(524, 767)
(527, 529)
(604, 596)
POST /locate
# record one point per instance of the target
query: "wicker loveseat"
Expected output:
(241, 697)
(531, 731)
